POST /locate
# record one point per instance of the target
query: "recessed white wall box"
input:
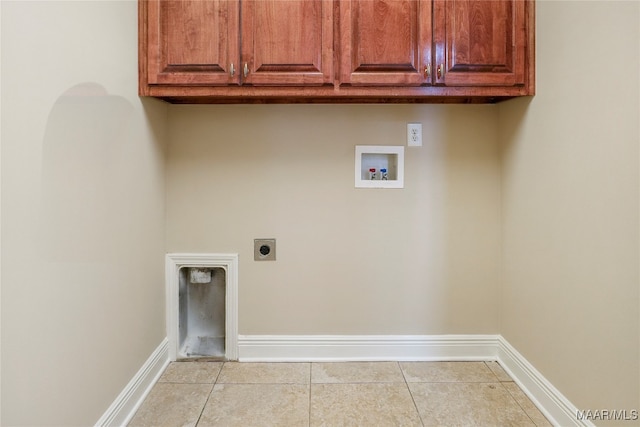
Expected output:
(202, 306)
(379, 166)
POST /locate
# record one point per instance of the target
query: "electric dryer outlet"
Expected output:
(264, 249)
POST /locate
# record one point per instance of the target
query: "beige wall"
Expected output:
(546, 188)
(570, 205)
(82, 211)
(418, 260)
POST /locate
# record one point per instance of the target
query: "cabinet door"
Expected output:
(480, 42)
(287, 42)
(192, 42)
(385, 42)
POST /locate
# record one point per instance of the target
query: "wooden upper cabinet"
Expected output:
(480, 43)
(385, 42)
(192, 42)
(240, 51)
(287, 42)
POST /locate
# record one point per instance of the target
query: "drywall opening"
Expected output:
(202, 306)
(201, 313)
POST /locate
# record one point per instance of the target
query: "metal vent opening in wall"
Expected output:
(202, 306)
(201, 324)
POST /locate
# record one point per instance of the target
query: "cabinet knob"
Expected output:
(246, 69)
(440, 70)
(232, 70)
(427, 71)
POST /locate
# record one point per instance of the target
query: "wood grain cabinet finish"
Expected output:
(385, 42)
(191, 42)
(287, 42)
(203, 42)
(289, 51)
(479, 42)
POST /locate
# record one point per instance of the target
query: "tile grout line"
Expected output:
(310, 390)
(521, 407)
(492, 373)
(406, 383)
(209, 396)
(518, 403)
(510, 394)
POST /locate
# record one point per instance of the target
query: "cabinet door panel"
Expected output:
(480, 42)
(385, 42)
(192, 41)
(287, 42)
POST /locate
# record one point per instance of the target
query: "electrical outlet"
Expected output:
(414, 134)
(264, 249)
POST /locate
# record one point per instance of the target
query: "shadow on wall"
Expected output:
(511, 119)
(84, 149)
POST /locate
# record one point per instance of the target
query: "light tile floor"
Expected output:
(336, 394)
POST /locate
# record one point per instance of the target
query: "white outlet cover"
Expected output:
(414, 134)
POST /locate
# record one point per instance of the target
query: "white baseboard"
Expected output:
(366, 347)
(126, 404)
(315, 348)
(553, 404)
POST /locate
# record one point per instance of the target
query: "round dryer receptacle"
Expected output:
(264, 249)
